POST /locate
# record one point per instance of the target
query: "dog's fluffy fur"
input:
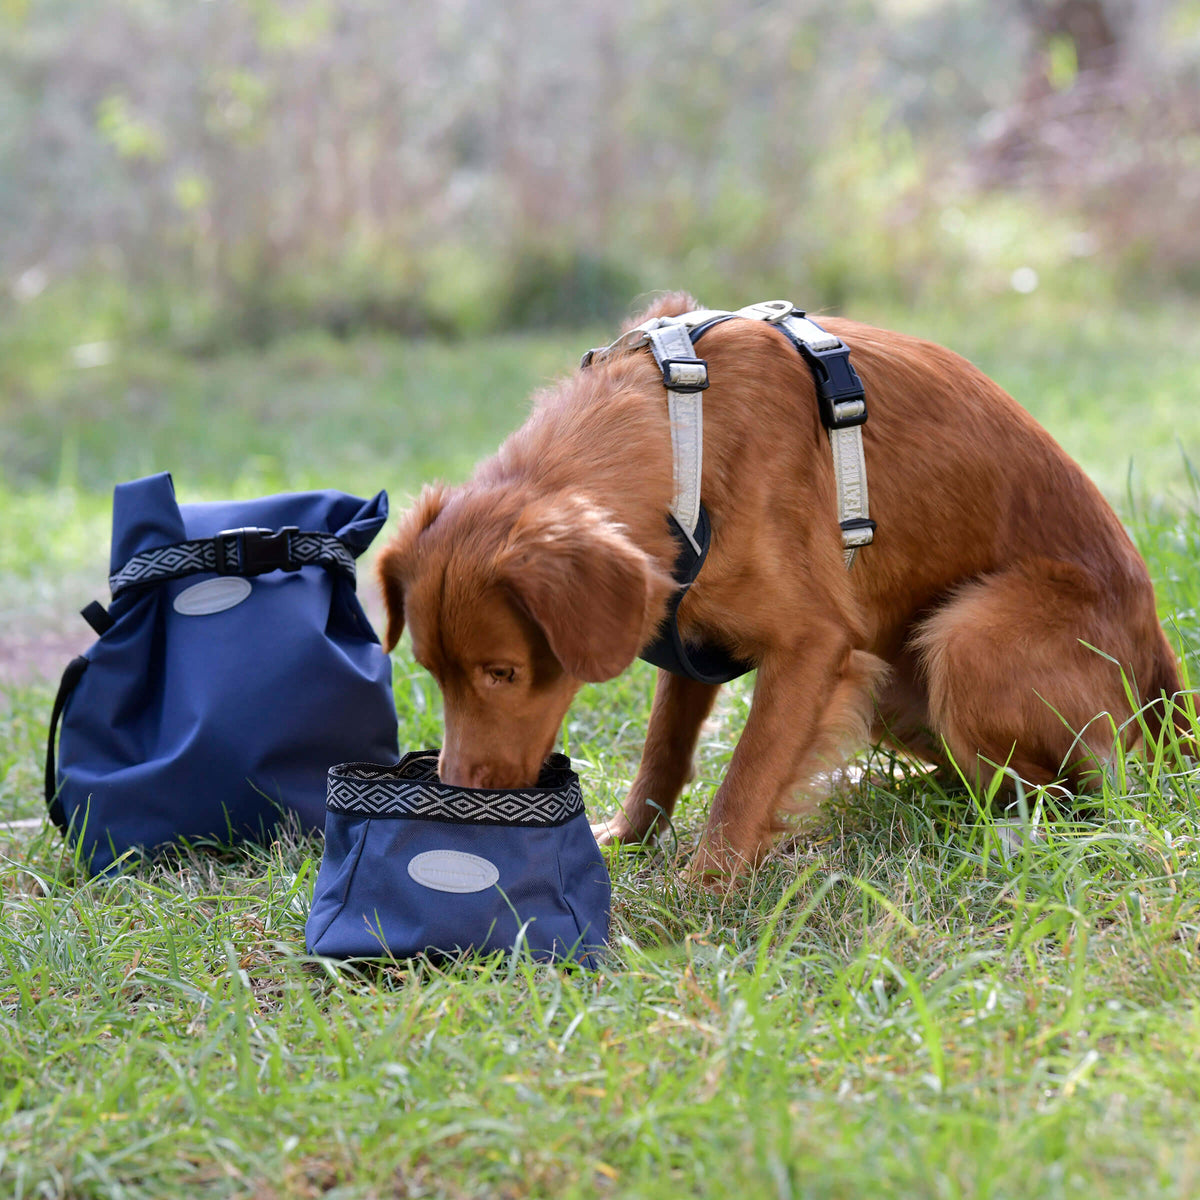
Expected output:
(990, 623)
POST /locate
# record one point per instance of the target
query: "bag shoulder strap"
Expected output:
(70, 680)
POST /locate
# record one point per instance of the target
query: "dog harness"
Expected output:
(843, 408)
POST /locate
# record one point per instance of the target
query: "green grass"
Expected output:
(907, 1000)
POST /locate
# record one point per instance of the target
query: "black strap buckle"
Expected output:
(840, 395)
(255, 551)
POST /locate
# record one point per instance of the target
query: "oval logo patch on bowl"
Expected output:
(453, 871)
(212, 596)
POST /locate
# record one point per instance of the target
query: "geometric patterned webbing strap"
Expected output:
(411, 790)
(248, 551)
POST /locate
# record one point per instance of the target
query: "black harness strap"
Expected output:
(708, 662)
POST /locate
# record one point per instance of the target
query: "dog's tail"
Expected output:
(1165, 704)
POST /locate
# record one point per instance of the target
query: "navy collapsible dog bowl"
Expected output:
(415, 866)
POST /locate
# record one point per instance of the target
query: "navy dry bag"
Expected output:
(416, 866)
(233, 668)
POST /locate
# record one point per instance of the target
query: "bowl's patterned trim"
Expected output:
(411, 790)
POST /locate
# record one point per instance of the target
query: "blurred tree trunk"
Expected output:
(1081, 28)
(1075, 48)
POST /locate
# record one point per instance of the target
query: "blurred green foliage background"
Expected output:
(201, 175)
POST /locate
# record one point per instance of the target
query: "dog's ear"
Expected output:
(397, 560)
(596, 595)
(673, 304)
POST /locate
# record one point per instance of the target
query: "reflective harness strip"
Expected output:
(685, 377)
(842, 404)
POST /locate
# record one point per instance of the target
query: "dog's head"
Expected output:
(512, 603)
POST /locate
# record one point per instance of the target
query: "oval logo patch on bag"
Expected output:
(453, 871)
(212, 596)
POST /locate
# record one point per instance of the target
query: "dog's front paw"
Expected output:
(615, 831)
(716, 869)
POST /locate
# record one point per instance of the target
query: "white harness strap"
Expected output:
(849, 462)
(685, 376)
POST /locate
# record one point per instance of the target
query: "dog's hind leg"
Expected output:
(680, 708)
(902, 718)
(811, 703)
(1012, 680)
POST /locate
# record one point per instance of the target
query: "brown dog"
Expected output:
(990, 622)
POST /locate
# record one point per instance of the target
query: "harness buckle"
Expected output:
(840, 394)
(857, 532)
(255, 550)
(685, 374)
(771, 311)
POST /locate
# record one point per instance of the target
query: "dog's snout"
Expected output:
(491, 774)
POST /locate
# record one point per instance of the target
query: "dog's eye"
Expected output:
(500, 674)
